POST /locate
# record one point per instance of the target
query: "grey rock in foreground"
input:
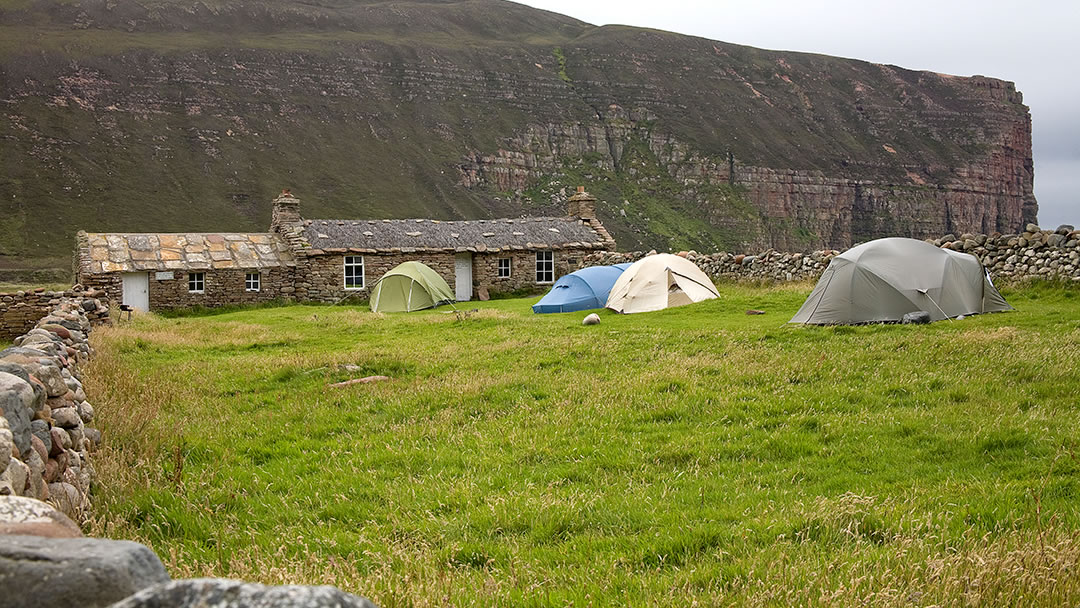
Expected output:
(63, 572)
(219, 592)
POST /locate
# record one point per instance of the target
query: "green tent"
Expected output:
(409, 286)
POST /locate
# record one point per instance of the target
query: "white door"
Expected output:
(463, 276)
(136, 290)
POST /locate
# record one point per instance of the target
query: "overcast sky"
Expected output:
(1035, 44)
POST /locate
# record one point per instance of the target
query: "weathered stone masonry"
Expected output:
(166, 262)
(21, 311)
(1035, 253)
(320, 247)
(304, 260)
(44, 414)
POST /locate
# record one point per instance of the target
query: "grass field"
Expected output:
(695, 456)
(6, 287)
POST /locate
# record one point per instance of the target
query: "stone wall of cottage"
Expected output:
(522, 269)
(322, 278)
(1035, 253)
(221, 287)
(110, 284)
(21, 310)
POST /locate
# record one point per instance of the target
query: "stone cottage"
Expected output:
(329, 260)
(162, 271)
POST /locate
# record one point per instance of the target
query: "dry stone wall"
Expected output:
(21, 310)
(1035, 253)
(45, 437)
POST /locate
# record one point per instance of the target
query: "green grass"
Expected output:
(6, 287)
(690, 455)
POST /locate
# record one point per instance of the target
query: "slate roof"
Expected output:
(130, 252)
(420, 235)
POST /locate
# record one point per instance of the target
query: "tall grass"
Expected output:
(691, 456)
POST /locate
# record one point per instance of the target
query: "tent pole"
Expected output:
(691, 279)
(936, 304)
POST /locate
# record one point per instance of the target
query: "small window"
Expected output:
(503, 270)
(354, 272)
(196, 282)
(252, 282)
(545, 267)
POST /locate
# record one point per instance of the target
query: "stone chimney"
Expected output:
(582, 205)
(286, 210)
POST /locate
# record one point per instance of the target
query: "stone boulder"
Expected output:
(19, 371)
(13, 479)
(206, 592)
(66, 417)
(41, 430)
(62, 572)
(918, 317)
(29, 517)
(7, 444)
(35, 481)
(17, 403)
(45, 345)
(68, 498)
(39, 364)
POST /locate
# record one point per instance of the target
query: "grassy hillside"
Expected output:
(691, 456)
(182, 115)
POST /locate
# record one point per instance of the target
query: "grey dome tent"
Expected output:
(881, 281)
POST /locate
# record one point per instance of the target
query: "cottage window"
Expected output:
(252, 282)
(354, 272)
(545, 267)
(503, 269)
(196, 282)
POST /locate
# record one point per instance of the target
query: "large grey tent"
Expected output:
(881, 281)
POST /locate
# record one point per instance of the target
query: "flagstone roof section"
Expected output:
(128, 252)
(419, 235)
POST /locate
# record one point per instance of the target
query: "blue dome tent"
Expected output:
(583, 289)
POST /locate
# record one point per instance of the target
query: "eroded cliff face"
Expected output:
(138, 115)
(797, 207)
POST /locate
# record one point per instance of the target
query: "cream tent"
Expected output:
(657, 282)
(883, 280)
